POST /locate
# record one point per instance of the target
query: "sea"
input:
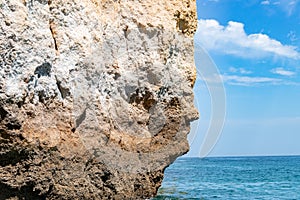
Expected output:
(232, 178)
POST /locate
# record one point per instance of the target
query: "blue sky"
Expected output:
(255, 45)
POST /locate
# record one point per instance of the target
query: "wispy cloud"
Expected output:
(265, 2)
(232, 39)
(248, 80)
(281, 71)
(239, 70)
(288, 6)
(292, 36)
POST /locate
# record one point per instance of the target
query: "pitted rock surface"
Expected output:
(96, 96)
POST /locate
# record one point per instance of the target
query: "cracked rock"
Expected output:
(96, 96)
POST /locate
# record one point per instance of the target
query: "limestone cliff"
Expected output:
(95, 96)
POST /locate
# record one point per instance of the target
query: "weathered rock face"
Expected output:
(95, 96)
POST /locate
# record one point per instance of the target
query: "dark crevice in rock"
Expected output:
(13, 124)
(106, 176)
(143, 97)
(182, 24)
(111, 187)
(53, 35)
(149, 31)
(42, 97)
(49, 191)
(81, 118)
(43, 70)
(87, 164)
(174, 102)
(137, 186)
(26, 192)
(64, 92)
(4, 135)
(22, 102)
(114, 71)
(157, 179)
(173, 51)
(162, 91)
(3, 113)
(125, 29)
(13, 157)
(52, 29)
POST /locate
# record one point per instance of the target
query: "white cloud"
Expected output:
(265, 2)
(248, 80)
(232, 39)
(291, 7)
(282, 72)
(244, 80)
(244, 71)
(240, 70)
(292, 36)
(233, 70)
(288, 6)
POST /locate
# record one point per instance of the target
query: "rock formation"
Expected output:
(95, 96)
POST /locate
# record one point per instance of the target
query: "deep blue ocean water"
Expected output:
(232, 178)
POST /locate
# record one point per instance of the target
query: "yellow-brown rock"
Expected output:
(96, 96)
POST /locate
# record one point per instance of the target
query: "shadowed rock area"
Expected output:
(96, 96)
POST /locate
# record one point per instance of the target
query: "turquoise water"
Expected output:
(232, 178)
